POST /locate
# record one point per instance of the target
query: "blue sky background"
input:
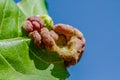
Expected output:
(99, 20)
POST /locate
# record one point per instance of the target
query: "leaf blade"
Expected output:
(11, 19)
(32, 8)
(11, 63)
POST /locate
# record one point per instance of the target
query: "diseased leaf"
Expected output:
(15, 63)
(11, 19)
(20, 58)
(33, 7)
(43, 58)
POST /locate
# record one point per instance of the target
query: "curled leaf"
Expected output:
(65, 40)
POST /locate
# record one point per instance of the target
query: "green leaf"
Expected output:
(33, 7)
(15, 63)
(11, 19)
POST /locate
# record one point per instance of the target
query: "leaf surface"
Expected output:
(11, 19)
(33, 7)
(15, 63)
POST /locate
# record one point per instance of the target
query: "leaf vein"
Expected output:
(18, 21)
(7, 62)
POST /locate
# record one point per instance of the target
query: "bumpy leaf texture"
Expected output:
(20, 58)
